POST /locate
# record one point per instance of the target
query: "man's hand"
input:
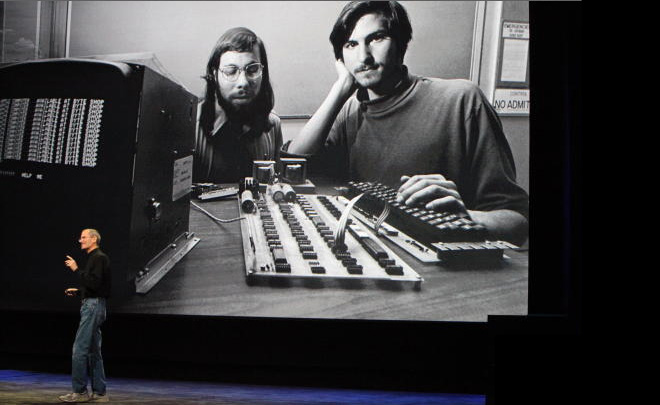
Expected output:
(345, 80)
(435, 192)
(431, 191)
(313, 135)
(71, 292)
(70, 263)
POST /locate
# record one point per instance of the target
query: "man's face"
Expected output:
(370, 54)
(240, 92)
(86, 241)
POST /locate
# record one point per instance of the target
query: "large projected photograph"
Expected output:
(333, 160)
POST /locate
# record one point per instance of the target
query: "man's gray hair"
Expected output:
(94, 234)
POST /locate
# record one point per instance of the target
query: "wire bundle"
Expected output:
(340, 232)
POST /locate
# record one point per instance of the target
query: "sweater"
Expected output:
(431, 126)
(95, 276)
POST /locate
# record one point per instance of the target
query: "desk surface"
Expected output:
(210, 280)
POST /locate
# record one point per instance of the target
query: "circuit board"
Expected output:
(296, 239)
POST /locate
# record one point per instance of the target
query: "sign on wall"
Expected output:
(511, 101)
(512, 91)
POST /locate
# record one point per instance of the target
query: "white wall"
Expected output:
(182, 34)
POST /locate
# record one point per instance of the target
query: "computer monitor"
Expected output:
(91, 144)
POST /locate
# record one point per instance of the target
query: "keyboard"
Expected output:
(454, 235)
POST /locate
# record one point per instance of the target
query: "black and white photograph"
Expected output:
(147, 115)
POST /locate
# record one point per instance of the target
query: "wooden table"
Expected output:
(210, 280)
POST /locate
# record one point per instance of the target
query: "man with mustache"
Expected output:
(236, 121)
(438, 141)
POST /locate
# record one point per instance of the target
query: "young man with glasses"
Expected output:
(438, 141)
(236, 123)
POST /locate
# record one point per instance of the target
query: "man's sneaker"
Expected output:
(75, 397)
(99, 398)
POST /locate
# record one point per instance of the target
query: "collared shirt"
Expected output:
(226, 154)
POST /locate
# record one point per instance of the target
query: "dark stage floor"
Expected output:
(23, 387)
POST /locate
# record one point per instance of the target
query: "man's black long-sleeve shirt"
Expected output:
(95, 276)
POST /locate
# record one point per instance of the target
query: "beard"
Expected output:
(243, 113)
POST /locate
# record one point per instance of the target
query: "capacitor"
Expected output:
(289, 194)
(277, 192)
(247, 201)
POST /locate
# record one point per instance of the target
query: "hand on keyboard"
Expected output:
(431, 191)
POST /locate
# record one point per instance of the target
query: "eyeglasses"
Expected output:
(252, 71)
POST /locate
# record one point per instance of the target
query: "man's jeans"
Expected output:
(87, 361)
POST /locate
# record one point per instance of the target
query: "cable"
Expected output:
(224, 221)
(383, 216)
(343, 221)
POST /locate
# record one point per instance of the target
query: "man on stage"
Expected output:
(95, 280)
